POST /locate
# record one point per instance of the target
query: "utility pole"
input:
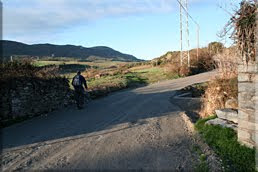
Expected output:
(187, 33)
(198, 39)
(183, 54)
(181, 35)
(184, 36)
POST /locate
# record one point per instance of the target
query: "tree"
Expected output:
(215, 47)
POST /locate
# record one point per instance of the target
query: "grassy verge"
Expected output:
(235, 157)
(202, 166)
(134, 78)
(155, 74)
(114, 75)
(99, 64)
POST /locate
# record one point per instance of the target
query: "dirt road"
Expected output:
(132, 129)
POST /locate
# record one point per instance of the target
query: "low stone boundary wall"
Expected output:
(33, 96)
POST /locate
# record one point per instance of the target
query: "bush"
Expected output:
(204, 63)
(24, 68)
(223, 87)
(215, 47)
(184, 71)
(226, 62)
(177, 69)
(217, 93)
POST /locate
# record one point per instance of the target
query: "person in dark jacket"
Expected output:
(78, 82)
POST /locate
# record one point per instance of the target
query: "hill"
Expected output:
(18, 49)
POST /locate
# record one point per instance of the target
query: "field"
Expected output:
(116, 75)
(132, 78)
(98, 64)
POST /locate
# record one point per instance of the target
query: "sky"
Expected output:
(144, 28)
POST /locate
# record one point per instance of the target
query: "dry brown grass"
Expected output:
(176, 68)
(217, 93)
(225, 86)
(227, 62)
(172, 67)
(140, 67)
(24, 68)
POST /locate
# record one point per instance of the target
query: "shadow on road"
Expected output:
(121, 107)
(129, 106)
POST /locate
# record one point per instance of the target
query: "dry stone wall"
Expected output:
(248, 100)
(33, 96)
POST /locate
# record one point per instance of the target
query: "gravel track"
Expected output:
(132, 129)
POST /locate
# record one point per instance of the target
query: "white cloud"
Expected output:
(32, 17)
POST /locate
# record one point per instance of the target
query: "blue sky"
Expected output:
(143, 28)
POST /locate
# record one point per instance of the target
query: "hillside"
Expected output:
(49, 50)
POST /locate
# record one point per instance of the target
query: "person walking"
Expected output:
(78, 82)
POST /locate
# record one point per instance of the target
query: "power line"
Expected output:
(185, 8)
(187, 12)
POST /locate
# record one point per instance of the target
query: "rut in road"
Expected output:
(131, 129)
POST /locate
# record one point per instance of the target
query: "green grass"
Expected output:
(119, 81)
(136, 77)
(127, 80)
(140, 76)
(98, 64)
(202, 166)
(235, 157)
(155, 74)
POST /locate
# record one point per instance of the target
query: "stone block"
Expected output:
(247, 142)
(227, 114)
(246, 104)
(250, 68)
(246, 87)
(246, 77)
(243, 135)
(246, 114)
(222, 123)
(247, 125)
(245, 96)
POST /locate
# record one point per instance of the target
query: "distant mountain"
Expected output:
(12, 48)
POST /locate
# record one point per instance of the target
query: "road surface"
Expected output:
(132, 129)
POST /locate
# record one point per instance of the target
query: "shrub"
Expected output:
(217, 93)
(225, 85)
(204, 63)
(226, 62)
(177, 69)
(215, 47)
(184, 71)
(24, 68)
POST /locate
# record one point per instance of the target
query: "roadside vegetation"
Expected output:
(108, 76)
(104, 77)
(22, 71)
(224, 141)
(202, 166)
(224, 86)
(234, 156)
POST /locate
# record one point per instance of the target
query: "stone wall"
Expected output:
(248, 98)
(33, 96)
(247, 81)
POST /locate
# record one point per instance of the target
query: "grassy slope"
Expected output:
(100, 63)
(138, 76)
(235, 157)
